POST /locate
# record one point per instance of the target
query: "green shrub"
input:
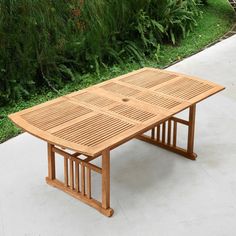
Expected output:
(33, 39)
(42, 43)
(134, 28)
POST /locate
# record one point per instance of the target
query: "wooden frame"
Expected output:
(93, 121)
(77, 178)
(168, 140)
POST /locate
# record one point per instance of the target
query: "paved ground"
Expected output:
(153, 192)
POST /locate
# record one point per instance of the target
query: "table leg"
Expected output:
(51, 162)
(77, 177)
(170, 143)
(191, 128)
(106, 179)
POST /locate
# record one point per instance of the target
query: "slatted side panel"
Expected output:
(132, 113)
(77, 176)
(148, 79)
(158, 100)
(120, 89)
(185, 88)
(55, 114)
(94, 130)
(94, 99)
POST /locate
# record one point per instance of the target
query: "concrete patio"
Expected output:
(158, 192)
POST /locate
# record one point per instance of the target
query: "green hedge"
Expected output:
(42, 43)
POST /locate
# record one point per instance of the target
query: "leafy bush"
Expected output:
(42, 43)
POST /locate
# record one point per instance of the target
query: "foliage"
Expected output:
(43, 43)
(33, 40)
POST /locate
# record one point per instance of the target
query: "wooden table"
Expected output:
(87, 124)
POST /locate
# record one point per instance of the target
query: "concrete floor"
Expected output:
(153, 192)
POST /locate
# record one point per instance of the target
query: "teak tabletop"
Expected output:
(95, 120)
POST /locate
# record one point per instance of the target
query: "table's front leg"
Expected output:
(106, 179)
(164, 135)
(77, 177)
(191, 129)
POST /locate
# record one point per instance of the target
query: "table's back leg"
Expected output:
(165, 135)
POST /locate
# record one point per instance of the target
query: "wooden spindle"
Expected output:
(82, 179)
(76, 177)
(71, 174)
(169, 132)
(65, 171)
(164, 132)
(158, 133)
(175, 134)
(88, 182)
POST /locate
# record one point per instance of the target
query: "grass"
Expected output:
(217, 19)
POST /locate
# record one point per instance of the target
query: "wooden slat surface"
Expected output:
(111, 113)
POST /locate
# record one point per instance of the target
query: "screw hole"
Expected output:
(125, 99)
